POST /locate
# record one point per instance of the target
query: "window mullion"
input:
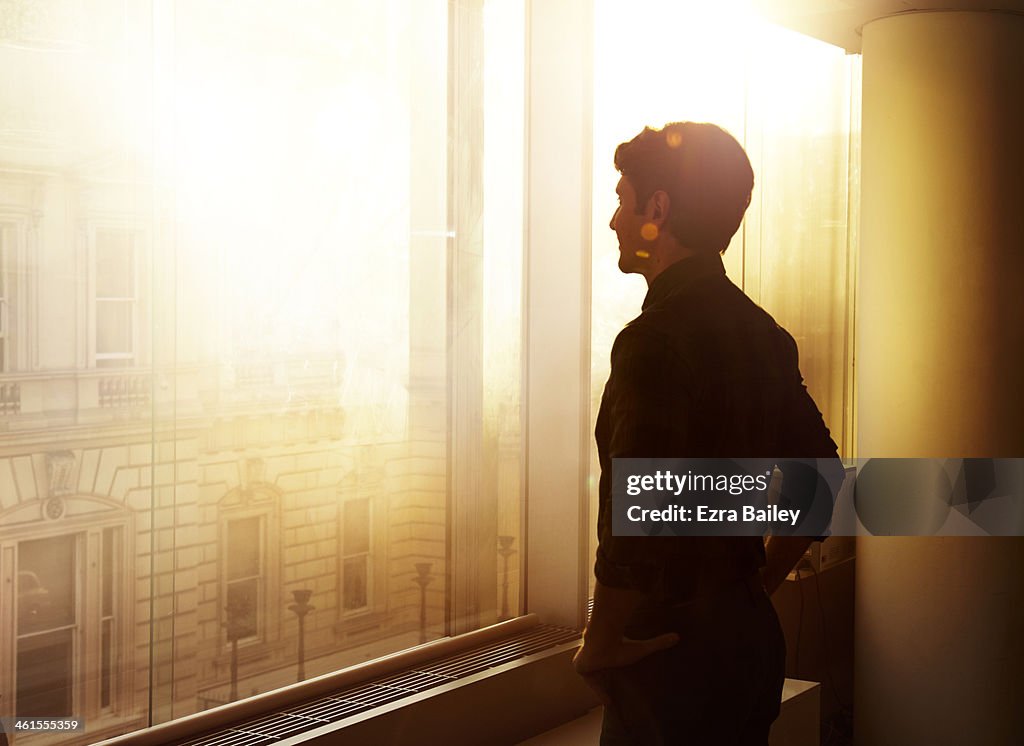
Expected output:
(557, 306)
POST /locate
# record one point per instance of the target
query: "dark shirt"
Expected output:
(702, 372)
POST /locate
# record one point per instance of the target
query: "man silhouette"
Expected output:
(683, 645)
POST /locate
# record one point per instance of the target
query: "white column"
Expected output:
(940, 360)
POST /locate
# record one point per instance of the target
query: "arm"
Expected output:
(612, 608)
(808, 487)
(638, 408)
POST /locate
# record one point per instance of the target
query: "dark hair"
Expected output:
(705, 173)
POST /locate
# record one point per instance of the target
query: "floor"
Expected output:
(797, 725)
(584, 731)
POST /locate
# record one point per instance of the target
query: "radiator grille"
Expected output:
(269, 729)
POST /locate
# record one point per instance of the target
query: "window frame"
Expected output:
(558, 188)
(115, 547)
(261, 575)
(88, 530)
(344, 612)
(139, 241)
(261, 503)
(76, 627)
(16, 231)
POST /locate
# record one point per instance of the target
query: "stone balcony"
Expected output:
(46, 400)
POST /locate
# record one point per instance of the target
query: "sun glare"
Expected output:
(289, 177)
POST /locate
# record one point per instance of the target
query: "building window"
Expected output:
(48, 626)
(244, 574)
(355, 555)
(116, 298)
(55, 618)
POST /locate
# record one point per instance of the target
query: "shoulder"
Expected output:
(639, 342)
(639, 332)
(651, 363)
(721, 328)
(739, 313)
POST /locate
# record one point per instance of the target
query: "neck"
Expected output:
(664, 257)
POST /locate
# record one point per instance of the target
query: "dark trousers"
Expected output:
(722, 684)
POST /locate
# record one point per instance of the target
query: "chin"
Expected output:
(624, 261)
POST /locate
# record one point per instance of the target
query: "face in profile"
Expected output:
(628, 227)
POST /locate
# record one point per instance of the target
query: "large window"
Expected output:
(793, 103)
(253, 252)
(264, 268)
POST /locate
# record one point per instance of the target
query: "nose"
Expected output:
(611, 223)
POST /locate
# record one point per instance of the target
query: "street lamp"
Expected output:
(505, 550)
(423, 579)
(237, 609)
(301, 607)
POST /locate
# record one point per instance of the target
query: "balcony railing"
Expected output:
(124, 391)
(10, 398)
(91, 396)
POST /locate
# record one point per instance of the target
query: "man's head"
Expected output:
(683, 191)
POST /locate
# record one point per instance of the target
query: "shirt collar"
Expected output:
(677, 277)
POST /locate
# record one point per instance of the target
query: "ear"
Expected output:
(657, 207)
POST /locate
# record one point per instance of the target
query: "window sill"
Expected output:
(296, 694)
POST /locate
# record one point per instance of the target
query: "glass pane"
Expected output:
(115, 264)
(79, 78)
(242, 609)
(354, 583)
(114, 326)
(279, 195)
(787, 99)
(356, 527)
(47, 583)
(45, 668)
(503, 189)
(807, 237)
(243, 550)
(107, 576)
